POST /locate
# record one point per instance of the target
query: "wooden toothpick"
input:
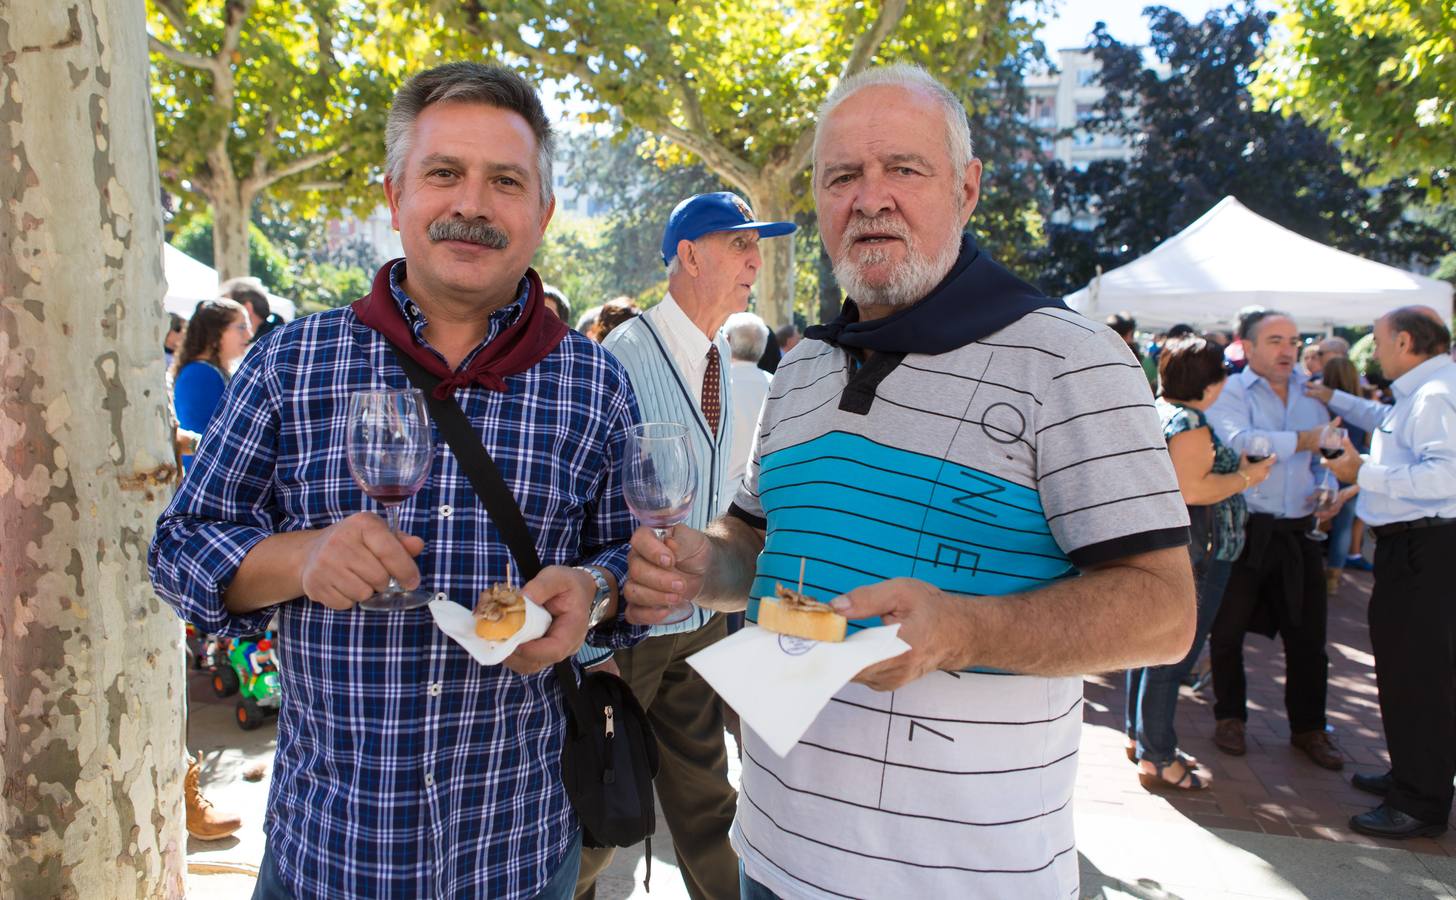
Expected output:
(510, 577)
(801, 575)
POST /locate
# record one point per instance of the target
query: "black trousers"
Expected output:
(1276, 586)
(1413, 632)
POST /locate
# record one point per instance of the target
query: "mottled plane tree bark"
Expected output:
(91, 673)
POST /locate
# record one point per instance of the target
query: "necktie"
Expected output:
(712, 402)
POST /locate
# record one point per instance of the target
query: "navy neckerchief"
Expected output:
(978, 297)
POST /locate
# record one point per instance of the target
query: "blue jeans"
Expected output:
(1340, 530)
(562, 885)
(1152, 692)
(748, 889)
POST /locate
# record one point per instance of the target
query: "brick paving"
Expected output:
(1275, 789)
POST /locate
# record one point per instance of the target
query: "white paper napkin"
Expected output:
(459, 622)
(778, 684)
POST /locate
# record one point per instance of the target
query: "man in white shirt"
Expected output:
(747, 338)
(674, 355)
(1408, 498)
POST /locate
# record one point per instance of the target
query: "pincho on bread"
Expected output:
(500, 612)
(792, 613)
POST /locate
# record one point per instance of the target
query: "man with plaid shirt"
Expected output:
(403, 767)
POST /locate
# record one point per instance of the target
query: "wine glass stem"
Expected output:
(391, 512)
(662, 533)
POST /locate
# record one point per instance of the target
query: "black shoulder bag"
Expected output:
(610, 757)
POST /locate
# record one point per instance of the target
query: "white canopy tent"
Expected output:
(189, 281)
(1231, 258)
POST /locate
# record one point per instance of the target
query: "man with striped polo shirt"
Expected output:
(678, 363)
(964, 457)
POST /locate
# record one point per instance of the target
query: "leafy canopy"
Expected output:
(1378, 75)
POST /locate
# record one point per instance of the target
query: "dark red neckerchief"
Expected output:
(532, 337)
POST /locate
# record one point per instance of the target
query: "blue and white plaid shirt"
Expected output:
(404, 768)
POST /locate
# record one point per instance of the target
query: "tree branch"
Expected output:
(181, 57)
(869, 41)
(268, 142)
(706, 146)
(176, 14)
(258, 183)
(235, 13)
(866, 45)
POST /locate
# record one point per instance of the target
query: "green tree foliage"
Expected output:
(266, 261)
(1199, 137)
(1378, 75)
(284, 97)
(735, 83)
(634, 191)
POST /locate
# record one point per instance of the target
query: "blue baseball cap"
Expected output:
(708, 213)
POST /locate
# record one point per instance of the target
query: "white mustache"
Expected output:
(882, 225)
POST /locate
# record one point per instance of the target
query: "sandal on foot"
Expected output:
(1158, 781)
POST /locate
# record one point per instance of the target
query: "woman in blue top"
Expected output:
(1212, 478)
(217, 337)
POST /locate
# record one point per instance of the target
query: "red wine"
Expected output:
(1257, 459)
(1332, 454)
(391, 493)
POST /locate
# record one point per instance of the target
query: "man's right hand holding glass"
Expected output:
(663, 575)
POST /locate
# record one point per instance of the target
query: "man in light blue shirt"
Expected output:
(1277, 586)
(1408, 498)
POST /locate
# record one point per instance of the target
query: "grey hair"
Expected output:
(674, 265)
(467, 82)
(747, 336)
(904, 75)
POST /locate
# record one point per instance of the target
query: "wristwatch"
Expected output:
(602, 596)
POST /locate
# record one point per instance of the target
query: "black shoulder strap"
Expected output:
(489, 486)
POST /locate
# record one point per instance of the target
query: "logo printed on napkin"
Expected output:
(778, 684)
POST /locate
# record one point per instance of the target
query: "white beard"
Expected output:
(907, 283)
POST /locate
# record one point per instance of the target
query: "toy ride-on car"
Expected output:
(246, 665)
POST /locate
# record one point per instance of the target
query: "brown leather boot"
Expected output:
(1318, 747)
(204, 822)
(1228, 736)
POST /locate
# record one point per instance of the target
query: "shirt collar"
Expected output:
(1408, 383)
(1296, 379)
(500, 320)
(680, 330)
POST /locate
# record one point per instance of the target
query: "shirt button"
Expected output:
(441, 596)
(435, 689)
(446, 510)
(429, 779)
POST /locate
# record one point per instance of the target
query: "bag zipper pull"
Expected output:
(609, 774)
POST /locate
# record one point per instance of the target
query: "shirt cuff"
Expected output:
(1284, 443)
(615, 633)
(206, 562)
(1372, 477)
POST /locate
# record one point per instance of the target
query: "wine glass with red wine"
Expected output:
(1332, 441)
(390, 449)
(1259, 448)
(659, 480)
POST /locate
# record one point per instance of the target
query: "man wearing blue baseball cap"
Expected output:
(677, 360)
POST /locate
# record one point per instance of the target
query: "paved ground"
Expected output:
(1273, 825)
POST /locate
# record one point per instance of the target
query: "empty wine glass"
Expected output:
(1332, 441)
(659, 481)
(1326, 489)
(1259, 448)
(390, 449)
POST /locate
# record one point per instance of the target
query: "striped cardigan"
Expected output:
(664, 396)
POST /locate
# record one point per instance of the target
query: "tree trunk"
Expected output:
(91, 682)
(230, 234)
(775, 288)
